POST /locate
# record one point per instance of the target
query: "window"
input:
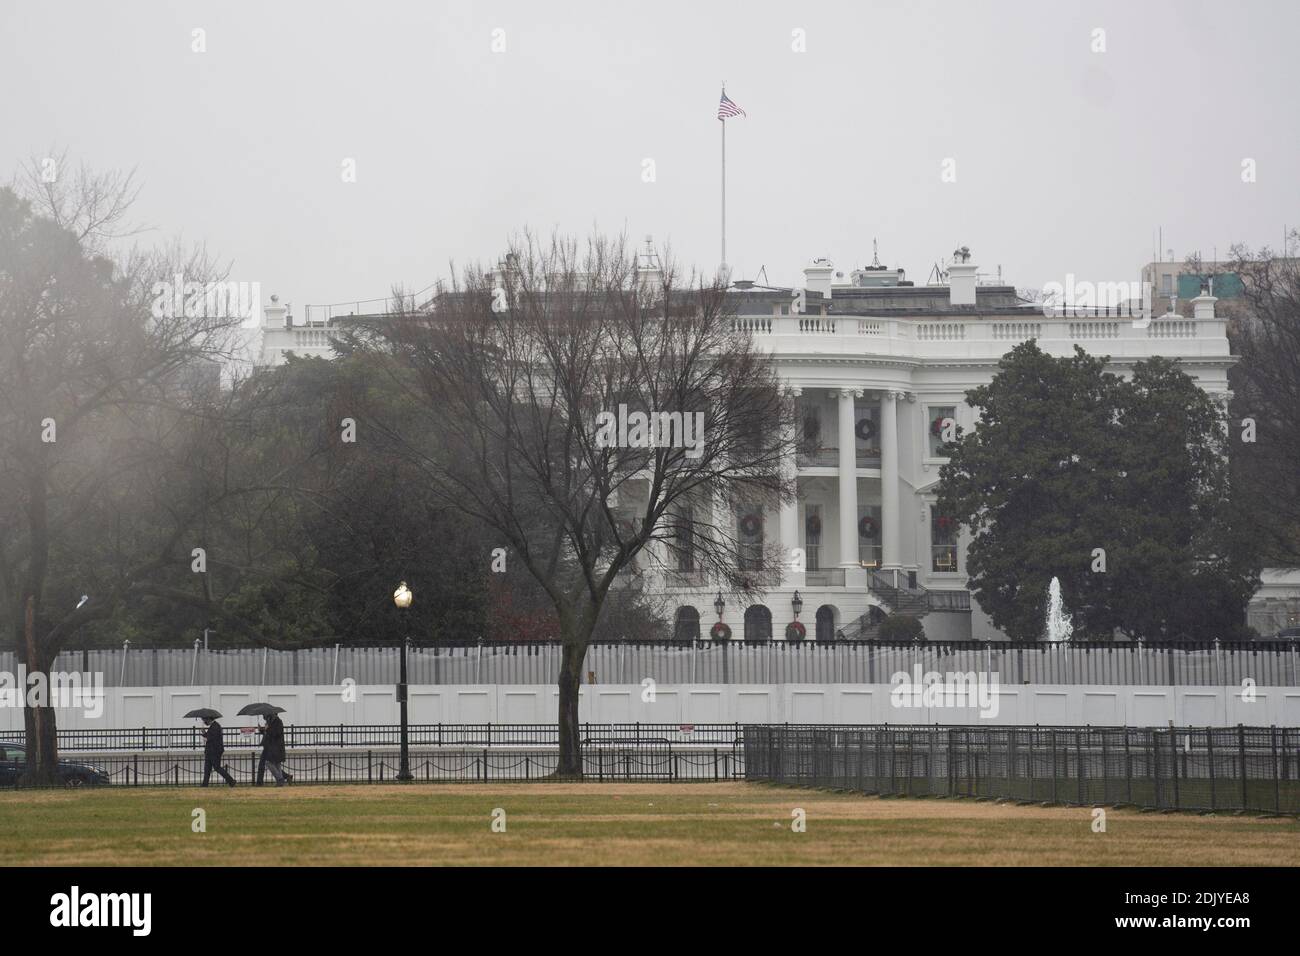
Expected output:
(943, 541)
(688, 624)
(826, 623)
(683, 540)
(812, 527)
(818, 444)
(758, 623)
(938, 418)
(869, 536)
(749, 538)
(866, 431)
(812, 425)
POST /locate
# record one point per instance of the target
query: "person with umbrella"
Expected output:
(272, 743)
(213, 747)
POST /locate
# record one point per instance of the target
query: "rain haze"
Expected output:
(468, 122)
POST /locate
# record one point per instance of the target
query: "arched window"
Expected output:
(758, 623)
(826, 623)
(688, 624)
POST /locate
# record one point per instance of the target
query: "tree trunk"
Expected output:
(38, 721)
(570, 683)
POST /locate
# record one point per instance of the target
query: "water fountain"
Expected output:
(1059, 627)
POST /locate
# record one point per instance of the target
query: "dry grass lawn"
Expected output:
(604, 824)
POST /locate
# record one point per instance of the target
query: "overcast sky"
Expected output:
(1066, 160)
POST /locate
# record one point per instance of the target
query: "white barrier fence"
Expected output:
(778, 662)
(1028, 704)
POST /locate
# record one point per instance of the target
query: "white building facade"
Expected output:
(880, 367)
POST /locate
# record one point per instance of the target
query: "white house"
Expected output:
(880, 365)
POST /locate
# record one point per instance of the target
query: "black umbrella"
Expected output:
(260, 710)
(204, 712)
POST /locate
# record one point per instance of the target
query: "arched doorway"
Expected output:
(758, 623)
(687, 627)
(826, 615)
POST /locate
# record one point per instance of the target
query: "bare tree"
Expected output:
(597, 420)
(92, 375)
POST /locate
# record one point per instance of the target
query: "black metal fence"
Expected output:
(1231, 768)
(321, 736)
(648, 762)
(706, 662)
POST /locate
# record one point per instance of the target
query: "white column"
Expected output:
(889, 506)
(789, 521)
(848, 480)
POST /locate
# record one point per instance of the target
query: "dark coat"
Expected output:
(273, 739)
(216, 740)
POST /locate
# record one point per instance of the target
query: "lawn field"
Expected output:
(604, 824)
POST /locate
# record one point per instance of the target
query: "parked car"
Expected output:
(1287, 634)
(13, 761)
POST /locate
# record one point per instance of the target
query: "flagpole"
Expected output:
(724, 191)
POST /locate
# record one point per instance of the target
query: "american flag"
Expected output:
(727, 108)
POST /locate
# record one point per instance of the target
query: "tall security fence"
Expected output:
(778, 662)
(1235, 768)
(344, 736)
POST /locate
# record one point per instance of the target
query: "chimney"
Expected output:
(1203, 305)
(275, 315)
(817, 276)
(961, 278)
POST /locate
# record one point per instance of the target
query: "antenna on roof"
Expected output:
(875, 256)
(762, 271)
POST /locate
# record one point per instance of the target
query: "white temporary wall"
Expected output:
(1046, 704)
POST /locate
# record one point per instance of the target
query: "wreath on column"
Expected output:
(794, 631)
(865, 429)
(867, 527)
(720, 632)
(751, 525)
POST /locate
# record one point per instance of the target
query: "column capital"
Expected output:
(795, 390)
(847, 392)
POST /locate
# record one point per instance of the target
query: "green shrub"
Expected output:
(901, 628)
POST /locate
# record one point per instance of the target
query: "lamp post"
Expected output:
(402, 597)
(796, 603)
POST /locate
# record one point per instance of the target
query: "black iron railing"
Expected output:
(1228, 768)
(342, 736)
(664, 763)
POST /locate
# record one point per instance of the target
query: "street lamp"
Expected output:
(402, 597)
(797, 603)
(719, 604)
